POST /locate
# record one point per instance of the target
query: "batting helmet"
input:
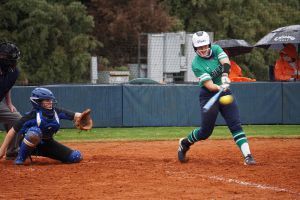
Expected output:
(199, 39)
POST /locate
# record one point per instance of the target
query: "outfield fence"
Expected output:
(169, 105)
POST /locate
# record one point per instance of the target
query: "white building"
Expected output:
(169, 57)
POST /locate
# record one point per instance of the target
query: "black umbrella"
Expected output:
(280, 36)
(235, 47)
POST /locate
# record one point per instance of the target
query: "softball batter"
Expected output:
(211, 65)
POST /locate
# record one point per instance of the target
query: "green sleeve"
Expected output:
(202, 75)
(221, 54)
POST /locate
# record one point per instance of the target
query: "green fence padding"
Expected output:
(105, 101)
(291, 103)
(259, 102)
(169, 105)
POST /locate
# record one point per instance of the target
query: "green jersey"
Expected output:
(209, 68)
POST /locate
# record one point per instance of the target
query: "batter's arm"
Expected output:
(225, 60)
(209, 84)
(9, 136)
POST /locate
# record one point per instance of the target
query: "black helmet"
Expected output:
(9, 51)
(9, 54)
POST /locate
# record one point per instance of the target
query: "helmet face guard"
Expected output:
(9, 54)
(40, 94)
(200, 39)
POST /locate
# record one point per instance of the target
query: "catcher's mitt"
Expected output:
(84, 122)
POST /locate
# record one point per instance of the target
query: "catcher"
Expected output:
(40, 124)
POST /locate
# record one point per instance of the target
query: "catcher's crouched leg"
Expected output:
(31, 140)
(75, 157)
(55, 150)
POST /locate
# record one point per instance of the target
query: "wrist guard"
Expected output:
(226, 68)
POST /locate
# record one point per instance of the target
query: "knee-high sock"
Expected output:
(242, 142)
(193, 136)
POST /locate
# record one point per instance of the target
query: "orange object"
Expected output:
(236, 75)
(284, 69)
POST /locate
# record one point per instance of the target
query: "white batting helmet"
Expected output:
(200, 38)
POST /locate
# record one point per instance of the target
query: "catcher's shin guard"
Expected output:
(31, 140)
(24, 152)
(75, 157)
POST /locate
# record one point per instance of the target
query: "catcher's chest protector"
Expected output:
(48, 126)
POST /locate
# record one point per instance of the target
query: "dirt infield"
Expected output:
(150, 170)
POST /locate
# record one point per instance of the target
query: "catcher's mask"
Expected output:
(9, 54)
(40, 94)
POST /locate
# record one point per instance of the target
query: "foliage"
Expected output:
(119, 23)
(57, 38)
(121, 68)
(54, 39)
(238, 19)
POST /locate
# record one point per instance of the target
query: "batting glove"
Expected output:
(225, 81)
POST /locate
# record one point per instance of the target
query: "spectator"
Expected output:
(236, 74)
(287, 66)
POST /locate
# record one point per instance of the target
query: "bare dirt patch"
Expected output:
(150, 170)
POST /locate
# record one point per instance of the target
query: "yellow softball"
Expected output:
(227, 99)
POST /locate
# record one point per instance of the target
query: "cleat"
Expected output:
(249, 160)
(24, 153)
(20, 160)
(182, 150)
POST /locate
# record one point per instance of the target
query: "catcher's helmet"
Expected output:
(39, 94)
(9, 54)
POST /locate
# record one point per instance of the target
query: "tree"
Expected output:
(238, 19)
(119, 23)
(54, 39)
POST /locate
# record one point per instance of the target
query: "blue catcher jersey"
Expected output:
(49, 125)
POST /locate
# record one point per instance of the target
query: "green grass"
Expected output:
(171, 133)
